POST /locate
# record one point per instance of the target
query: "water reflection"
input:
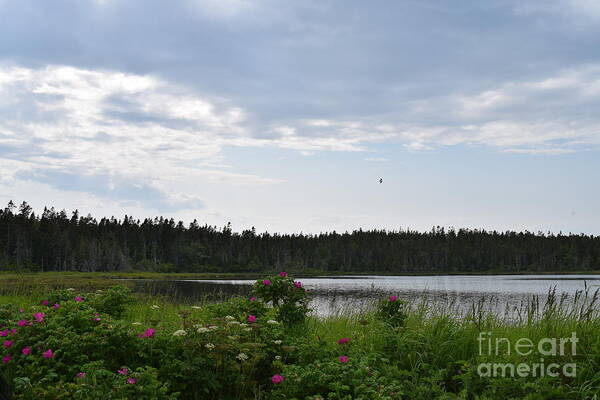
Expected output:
(501, 294)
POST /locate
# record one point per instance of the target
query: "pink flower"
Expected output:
(80, 375)
(283, 274)
(252, 299)
(22, 322)
(123, 371)
(56, 306)
(26, 350)
(97, 319)
(343, 359)
(45, 302)
(266, 282)
(6, 359)
(8, 343)
(78, 299)
(4, 333)
(277, 378)
(298, 284)
(251, 319)
(21, 310)
(393, 298)
(148, 334)
(13, 331)
(48, 354)
(39, 317)
(131, 381)
(343, 340)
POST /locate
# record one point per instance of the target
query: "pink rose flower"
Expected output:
(148, 333)
(266, 282)
(26, 350)
(6, 359)
(393, 298)
(7, 343)
(78, 299)
(283, 274)
(343, 340)
(343, 359)
(277, 378)
(80, 375)
(131, 381)
(4, 333)
(298, 284)
(251, 319)
(48, 354)
(13, 331)
(252, 299)
(44, 302)
(123, 371)
(23, 322)
(39, 317)
(56, 306)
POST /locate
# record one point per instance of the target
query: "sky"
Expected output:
(284, 115)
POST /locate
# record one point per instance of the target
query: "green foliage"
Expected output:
(287, 296)
(104, 346)
(392, 311)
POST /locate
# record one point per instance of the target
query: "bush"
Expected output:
(392, 311)
(288, 297)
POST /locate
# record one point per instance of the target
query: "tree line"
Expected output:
(57, 241)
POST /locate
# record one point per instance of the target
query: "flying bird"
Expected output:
(380, 180)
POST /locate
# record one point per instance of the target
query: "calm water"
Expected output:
(498, 293)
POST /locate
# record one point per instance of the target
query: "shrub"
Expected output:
(287, 296)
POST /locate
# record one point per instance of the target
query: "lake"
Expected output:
(501, 294)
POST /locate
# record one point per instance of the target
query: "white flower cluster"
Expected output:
(180, 332)
(209, 346)
(242, 357)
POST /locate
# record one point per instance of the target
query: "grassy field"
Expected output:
(395, 352)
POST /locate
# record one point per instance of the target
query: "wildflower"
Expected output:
(39, 317)
(203, 330)
(48, 354)
(26, 350)
(393, 298)
(252, 299)
(6, 359)
(148, 333)
(97, 319)
(21, 310)
(136, 323)
(247, 329)
(243, 325)
(4, 333)
(283, 274)
(277, 378)
(78, 299)
(251, 319)
(298, 284)
(8, 343)
(213, 327)
(56, 306)
(123, 371)
(209, 346)
(44, 302)
(266, 282)
(272, 322)
(242, 356)
(233, 323)
(13, 331)
(131, 381)
(343, 359)
(154, 307)
(23, 322)
(80, 375)
(277, 341)
(229, 318)
(180, 332)
(278, 357)
(343, 340)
